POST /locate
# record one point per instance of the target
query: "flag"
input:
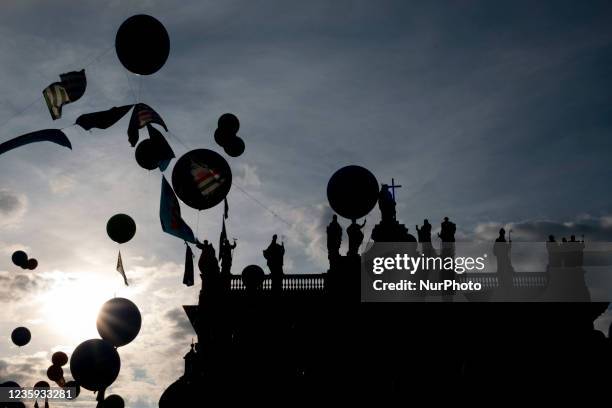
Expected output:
(207, 179)
(142, 115)
(70, 88)
(222, 237)
(170, 214)
(225, 209)
(120, 269)
(103, 119)
(162, 149)
(188, 276)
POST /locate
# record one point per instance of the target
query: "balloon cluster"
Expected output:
(20, 258)
(225, 135)
(55, 373)
(95, 363)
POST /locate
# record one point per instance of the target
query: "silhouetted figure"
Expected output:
(447, 250)
(191, 364)
(274, 254)
(424, 233)
(355, 236)
(225, 253)
(447, 231)
(334, 239)
(554, 255)
(386, 203)
(209, 267)
(502, 251)
(575, 253)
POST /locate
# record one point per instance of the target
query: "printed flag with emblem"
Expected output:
(207, 179)
(70, 88)
(170, 214)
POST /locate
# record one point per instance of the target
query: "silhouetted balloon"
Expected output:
(32, 264)
(95, 364)
(114, 401)
(121, 228)
(201, 178)
(42, 385)
(235, 147)
(253, 276)
(119, 321)
(352, 192)
(21, 336)
(59, 358)
(142, 44)
(222, 138)
(76, 386)
(55, 373)
(146, 155)
(20, 259)
(229, 123)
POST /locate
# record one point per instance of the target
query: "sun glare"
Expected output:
(72, 305)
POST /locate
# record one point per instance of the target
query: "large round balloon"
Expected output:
(95, 364)
(119, 321)
(147, 155)
(121, 228)
(59, 358)
(234, 147)
(114, 401)
(20, 259)
(142, 44)
(201, 178)
(21, 336)
(77, 389)
(352, 192)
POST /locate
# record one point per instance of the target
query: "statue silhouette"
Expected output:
(424, 233)
(274, 254)
(209, 266)
(447, 231)
(225, 254)
(355, 236)
(334, 239)
(386, 204)
(505, 271)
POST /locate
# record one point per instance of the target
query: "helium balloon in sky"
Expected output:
(119, 321)
(21, 336)
(142, 44)
(121, 228)
(95, 364)
(352, 192)
(201, 178)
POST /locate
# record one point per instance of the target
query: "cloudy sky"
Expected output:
(487, 112)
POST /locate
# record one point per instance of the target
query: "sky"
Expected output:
(491, 113)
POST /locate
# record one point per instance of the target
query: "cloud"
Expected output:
(12, 207)
(593, 229)
(179, 323)
(248, 176)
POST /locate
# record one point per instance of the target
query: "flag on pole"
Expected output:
(188, 276)
(222, 237)
(120, 269)
(70, 88)
(170, 214)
